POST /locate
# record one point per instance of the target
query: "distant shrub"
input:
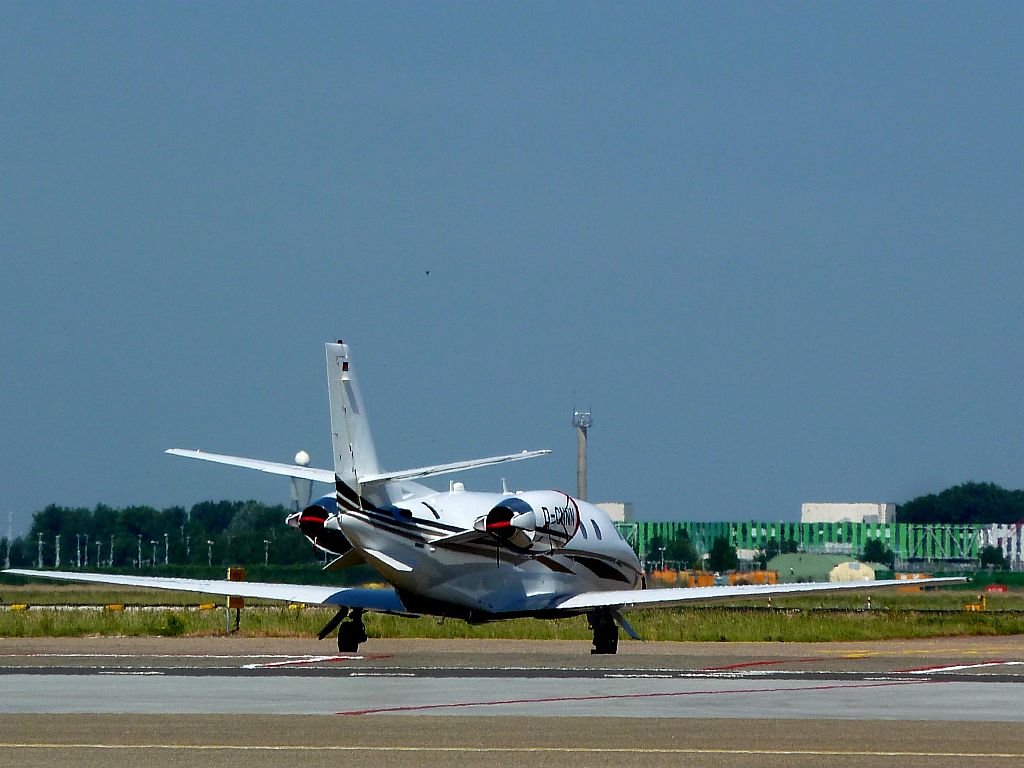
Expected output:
(172, 625)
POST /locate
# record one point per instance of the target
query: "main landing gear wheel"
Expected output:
(351, 633)
(606, 631)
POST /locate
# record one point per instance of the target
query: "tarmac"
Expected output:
(234, 701)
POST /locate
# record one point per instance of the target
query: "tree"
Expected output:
(966, 503)
(776, 547)
(722, 556)
(678, 550)
(992, 556)
(242, 532)
(876, 552)
(681, 550)
(789, 547)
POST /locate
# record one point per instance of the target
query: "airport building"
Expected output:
(618, 511)
(836, 529)
(912, 544)
(856, 512)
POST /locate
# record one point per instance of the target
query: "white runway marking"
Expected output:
(130, 672)
(518, 750)
(298, 661)
(960, 667)
(148, 656)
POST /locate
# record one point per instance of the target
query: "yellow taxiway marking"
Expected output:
(555, 750)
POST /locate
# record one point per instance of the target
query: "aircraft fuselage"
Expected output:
(420, 546)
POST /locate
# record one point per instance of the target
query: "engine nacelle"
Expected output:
(537, 521)
(311, 522)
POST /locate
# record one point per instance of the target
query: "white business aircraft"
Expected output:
(458, 554)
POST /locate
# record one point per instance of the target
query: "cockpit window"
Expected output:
(597, 531)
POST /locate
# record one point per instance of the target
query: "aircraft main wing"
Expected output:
(384, 600)
(672, 596)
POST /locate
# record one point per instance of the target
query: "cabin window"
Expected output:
(597, 531)
(583, 530)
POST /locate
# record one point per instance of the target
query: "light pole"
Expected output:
(10, 532)
(56, 551)
(266, 551)
(78, 550)
(152, 561)
(39, 559)
(138, 562)
(582, 420)
(188, 553)
(99, 546)
(111, 562)
(209, 552)
(167, 556)
(86, 550)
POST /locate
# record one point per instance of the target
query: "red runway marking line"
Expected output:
(764, 663)
(613, 696)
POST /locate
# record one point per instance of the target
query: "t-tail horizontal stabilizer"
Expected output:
(327, 475)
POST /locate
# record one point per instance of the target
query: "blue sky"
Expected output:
(776, 248)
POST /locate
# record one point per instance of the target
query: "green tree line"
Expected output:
(965, 503)
(209, 533)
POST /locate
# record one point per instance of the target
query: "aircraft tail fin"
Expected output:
(354, 454)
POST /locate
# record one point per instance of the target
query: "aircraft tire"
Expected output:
(606, 632)
(350, 635)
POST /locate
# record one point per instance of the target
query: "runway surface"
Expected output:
(231, 701)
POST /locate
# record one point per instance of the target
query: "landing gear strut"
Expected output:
(606, 631)
(352, 632)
